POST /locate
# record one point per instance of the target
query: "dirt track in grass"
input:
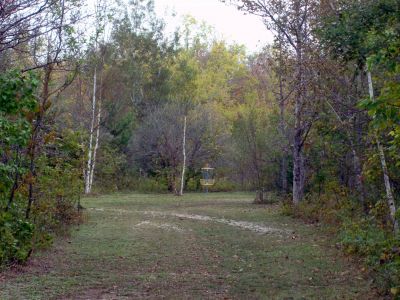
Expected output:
(215, 246)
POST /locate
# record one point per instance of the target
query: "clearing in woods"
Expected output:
(214, 246)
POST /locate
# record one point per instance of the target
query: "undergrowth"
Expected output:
(367, 235)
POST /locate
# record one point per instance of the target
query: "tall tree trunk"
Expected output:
(389, 194)
(298, 169)
(298, 160)
(184, 157)
(282, 124)
(90, 150)
(96, 145)
(284, 163)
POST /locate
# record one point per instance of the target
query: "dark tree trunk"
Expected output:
(298, 159)
(298, 169)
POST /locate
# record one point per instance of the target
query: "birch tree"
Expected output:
(88, 172)
(92, 148)
(386, 179)
(184, 156)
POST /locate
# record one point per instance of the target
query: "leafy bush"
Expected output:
(223, 185)
(108, 174)
(193, 185)
(329, 208)
(381, 250)
(58, 185)
(151, 185)
(15, 239)
(367, 236)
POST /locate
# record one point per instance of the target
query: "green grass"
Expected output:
(125, 252)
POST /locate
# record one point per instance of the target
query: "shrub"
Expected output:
(368, 236)
(193, 185)
(151, 185)
(108, 174)
(381, 250)
(331, 208)
(15, 239)
(223, 185)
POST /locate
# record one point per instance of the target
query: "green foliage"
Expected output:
(193, 184)
(362, 237)
(110, 171)
(223, 185)
(60, 183)
(16, 92)
(239, 114)
(369, 33)
(369, 237)
(359, 29)
(57, 179)
(15, 238)
(254, 137)
(366, 238)
(17, 104)
(151, 185)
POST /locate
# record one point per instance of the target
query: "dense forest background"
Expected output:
(100, 101)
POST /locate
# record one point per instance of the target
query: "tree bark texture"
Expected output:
(90, 149)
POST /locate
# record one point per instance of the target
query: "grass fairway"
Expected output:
(214, 246)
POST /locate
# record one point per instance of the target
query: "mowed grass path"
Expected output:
(137, 246)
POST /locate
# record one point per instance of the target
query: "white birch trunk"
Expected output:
(96, 145)
(389, 193)
(90, 150)
(184, 157)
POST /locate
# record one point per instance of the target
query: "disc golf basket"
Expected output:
(208, 177)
